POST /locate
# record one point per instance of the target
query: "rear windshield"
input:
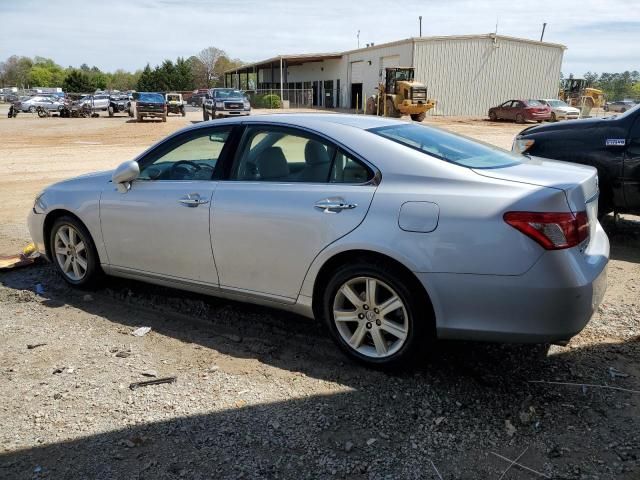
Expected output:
(448, 146)
(151, 97)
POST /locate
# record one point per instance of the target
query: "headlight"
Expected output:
(247, 105)
(521, 145)
(38, 204)
(219, 105)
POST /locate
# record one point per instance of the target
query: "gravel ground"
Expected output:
(261, 394)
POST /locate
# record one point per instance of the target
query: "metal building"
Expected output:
(465, 74)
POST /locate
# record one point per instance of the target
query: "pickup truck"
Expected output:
(223, 102)
(150, 105)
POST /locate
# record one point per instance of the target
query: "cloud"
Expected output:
(600, 36)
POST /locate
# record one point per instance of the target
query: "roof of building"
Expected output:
(298, 59)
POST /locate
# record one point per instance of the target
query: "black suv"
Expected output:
(119, 103)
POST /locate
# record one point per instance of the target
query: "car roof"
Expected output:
(308, 120)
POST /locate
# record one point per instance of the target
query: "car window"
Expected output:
(449, 146)
(348, 170)
(283, 155)
(506, 104)
(193, 159)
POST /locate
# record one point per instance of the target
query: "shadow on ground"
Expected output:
(451, 408)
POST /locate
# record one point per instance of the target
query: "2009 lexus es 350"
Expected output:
(392, 233)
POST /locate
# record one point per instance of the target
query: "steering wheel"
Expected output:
(175, 168)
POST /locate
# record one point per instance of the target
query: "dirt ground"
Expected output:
(265, 394)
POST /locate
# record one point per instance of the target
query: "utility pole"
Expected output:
(420, 21)
(544, 26)
(358, 35)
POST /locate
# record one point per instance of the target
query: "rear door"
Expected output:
(631, 168)
(289, 194)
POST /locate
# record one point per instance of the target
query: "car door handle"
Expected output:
(334, 205)
(193, 200)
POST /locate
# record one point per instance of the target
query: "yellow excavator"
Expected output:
(574, 91)
(400, 95)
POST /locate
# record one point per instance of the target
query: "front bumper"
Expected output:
(232, 113)
(35, 224)
(551, 302)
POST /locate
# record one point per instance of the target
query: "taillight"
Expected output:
(553, 231)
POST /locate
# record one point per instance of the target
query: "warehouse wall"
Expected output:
(467, 76)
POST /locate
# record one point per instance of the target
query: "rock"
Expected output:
(149, 373)
(511, 430)
(141, 332)
(371, 441)
(122, 354)
(214, 368)
(439, 420)
(57, 396)
(348, 447)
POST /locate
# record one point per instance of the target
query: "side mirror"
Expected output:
(126, 173)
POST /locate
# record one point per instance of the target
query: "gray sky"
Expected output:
(600, 35)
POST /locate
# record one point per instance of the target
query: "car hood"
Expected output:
(567, 109)
(95, 178)
(579, 182)
(574, 125)
(230, 99)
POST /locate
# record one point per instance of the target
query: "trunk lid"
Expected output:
(578, 182)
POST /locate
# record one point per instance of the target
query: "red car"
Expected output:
(520, 111)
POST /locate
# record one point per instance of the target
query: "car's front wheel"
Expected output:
(73, 252)
(205, 114)
(375, 316)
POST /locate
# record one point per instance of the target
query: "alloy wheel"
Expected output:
(370, 317)
(71, 253)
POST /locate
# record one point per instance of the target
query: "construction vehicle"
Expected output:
(400, 95)
(574, 91)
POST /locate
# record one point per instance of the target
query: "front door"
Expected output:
(631, 169)
(289, 195)
(161, 225)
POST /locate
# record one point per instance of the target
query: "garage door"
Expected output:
(357, 72)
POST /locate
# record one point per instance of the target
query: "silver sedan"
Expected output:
(394, 234)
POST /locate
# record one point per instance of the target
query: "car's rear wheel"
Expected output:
(205, 114)
(164, 117)
(519, 118)
(553, 117)
(493, 117)
(418, 117)
(139, 118)
(374, 315)
(73, 252)
(111, 111)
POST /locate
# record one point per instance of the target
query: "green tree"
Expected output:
(77, 81)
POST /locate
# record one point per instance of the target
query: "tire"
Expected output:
(164, 117)
(110, 111)
(81, 267)
(205, 114)
(493, 117)
(519, 118)
(32, 109)
(183, 112)
(553, 117)
(418, 117)
(407, 319)
(139, 118)
(391, 109)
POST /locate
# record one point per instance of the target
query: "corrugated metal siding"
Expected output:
(468, 76)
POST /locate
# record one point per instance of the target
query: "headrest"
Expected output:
(315, 153)
(272, 164)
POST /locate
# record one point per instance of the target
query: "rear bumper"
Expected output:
(151, 114)
(538, 116)
(551, 302)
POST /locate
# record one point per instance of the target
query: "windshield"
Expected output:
(151, 97)
(173, 98)
(448, 146)
(557, 103)
(228, 93)
(628, 113)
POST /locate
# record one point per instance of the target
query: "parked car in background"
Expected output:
(197, 99)
(175, 103)
(520, 111)
(96, 102)
(376, 226)
(118, 103)
(148, 104)
(31, 104)
(560, 110)
(224, 102)
(610, 144)
(619, 107)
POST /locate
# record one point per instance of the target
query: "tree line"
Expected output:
(616, 86)
(204, 70)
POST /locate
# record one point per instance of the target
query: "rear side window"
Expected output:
(448, 146)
